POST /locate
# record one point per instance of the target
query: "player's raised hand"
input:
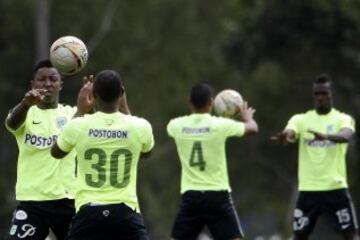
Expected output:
(247, 115)
(85, 100)
(123, 106)
(90, 78)
(246, 112)
(285, 137)
(34, 96)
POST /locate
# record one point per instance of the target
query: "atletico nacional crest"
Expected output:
(60, 122)
(329, 129)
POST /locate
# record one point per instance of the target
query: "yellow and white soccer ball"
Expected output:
(68, 54)
(227, 103)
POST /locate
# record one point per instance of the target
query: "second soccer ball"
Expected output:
(227, 103)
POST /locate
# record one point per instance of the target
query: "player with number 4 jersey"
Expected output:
(108, 144)
(200, 140)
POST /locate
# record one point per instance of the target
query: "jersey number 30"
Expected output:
(197, 157)
(101, 170)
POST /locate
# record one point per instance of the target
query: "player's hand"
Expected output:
(246, 113)
(284, 137)
(85, 100)
(34, 96)
(123, 106)
(87, 79)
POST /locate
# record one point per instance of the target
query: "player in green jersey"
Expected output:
(44, 187)
(108, 144)
(200, 140)
(323, 135)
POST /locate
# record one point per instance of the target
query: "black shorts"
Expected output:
(32, 220)
(336, 203)
(214, 209)
(113, 221)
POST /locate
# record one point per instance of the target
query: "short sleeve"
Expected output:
(293, 123)
(146, 136)
(347, 122)
(232, 128)
(20, 130)
(67, 139)
(170, 128)
(15, 131)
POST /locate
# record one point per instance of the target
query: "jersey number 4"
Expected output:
(101, 170)
(197, 157)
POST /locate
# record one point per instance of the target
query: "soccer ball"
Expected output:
(68, 54)
(227, 103)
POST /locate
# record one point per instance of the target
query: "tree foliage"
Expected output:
(268, 50)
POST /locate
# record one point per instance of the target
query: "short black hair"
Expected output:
(200, 94)
(45, 63)
(108, 85)
(323, 78)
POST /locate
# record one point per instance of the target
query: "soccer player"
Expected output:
(323, 135)
(44, 187)
(108, 144)
(200, 140)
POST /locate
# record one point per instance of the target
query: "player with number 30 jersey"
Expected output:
(108, 144)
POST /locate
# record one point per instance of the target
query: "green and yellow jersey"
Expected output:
(200, 141)
(108, 148)
(39, 176)
(322, 164)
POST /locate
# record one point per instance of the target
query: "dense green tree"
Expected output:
(270, 51)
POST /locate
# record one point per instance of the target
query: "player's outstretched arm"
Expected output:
(247, 115)
(343, 136)
(285, 137)
(17, 115)
(85, 100)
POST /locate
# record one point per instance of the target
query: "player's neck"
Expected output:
(323, 111)
(48, 105)
(107, 107)
(204, 110)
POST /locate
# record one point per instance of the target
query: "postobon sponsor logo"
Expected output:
(319, 143)
(105, 133)
(39, 141)
(20, 215)
(27, 230)
(188, 130)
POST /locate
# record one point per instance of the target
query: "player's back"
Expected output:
(108, 148)
(200, 141)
